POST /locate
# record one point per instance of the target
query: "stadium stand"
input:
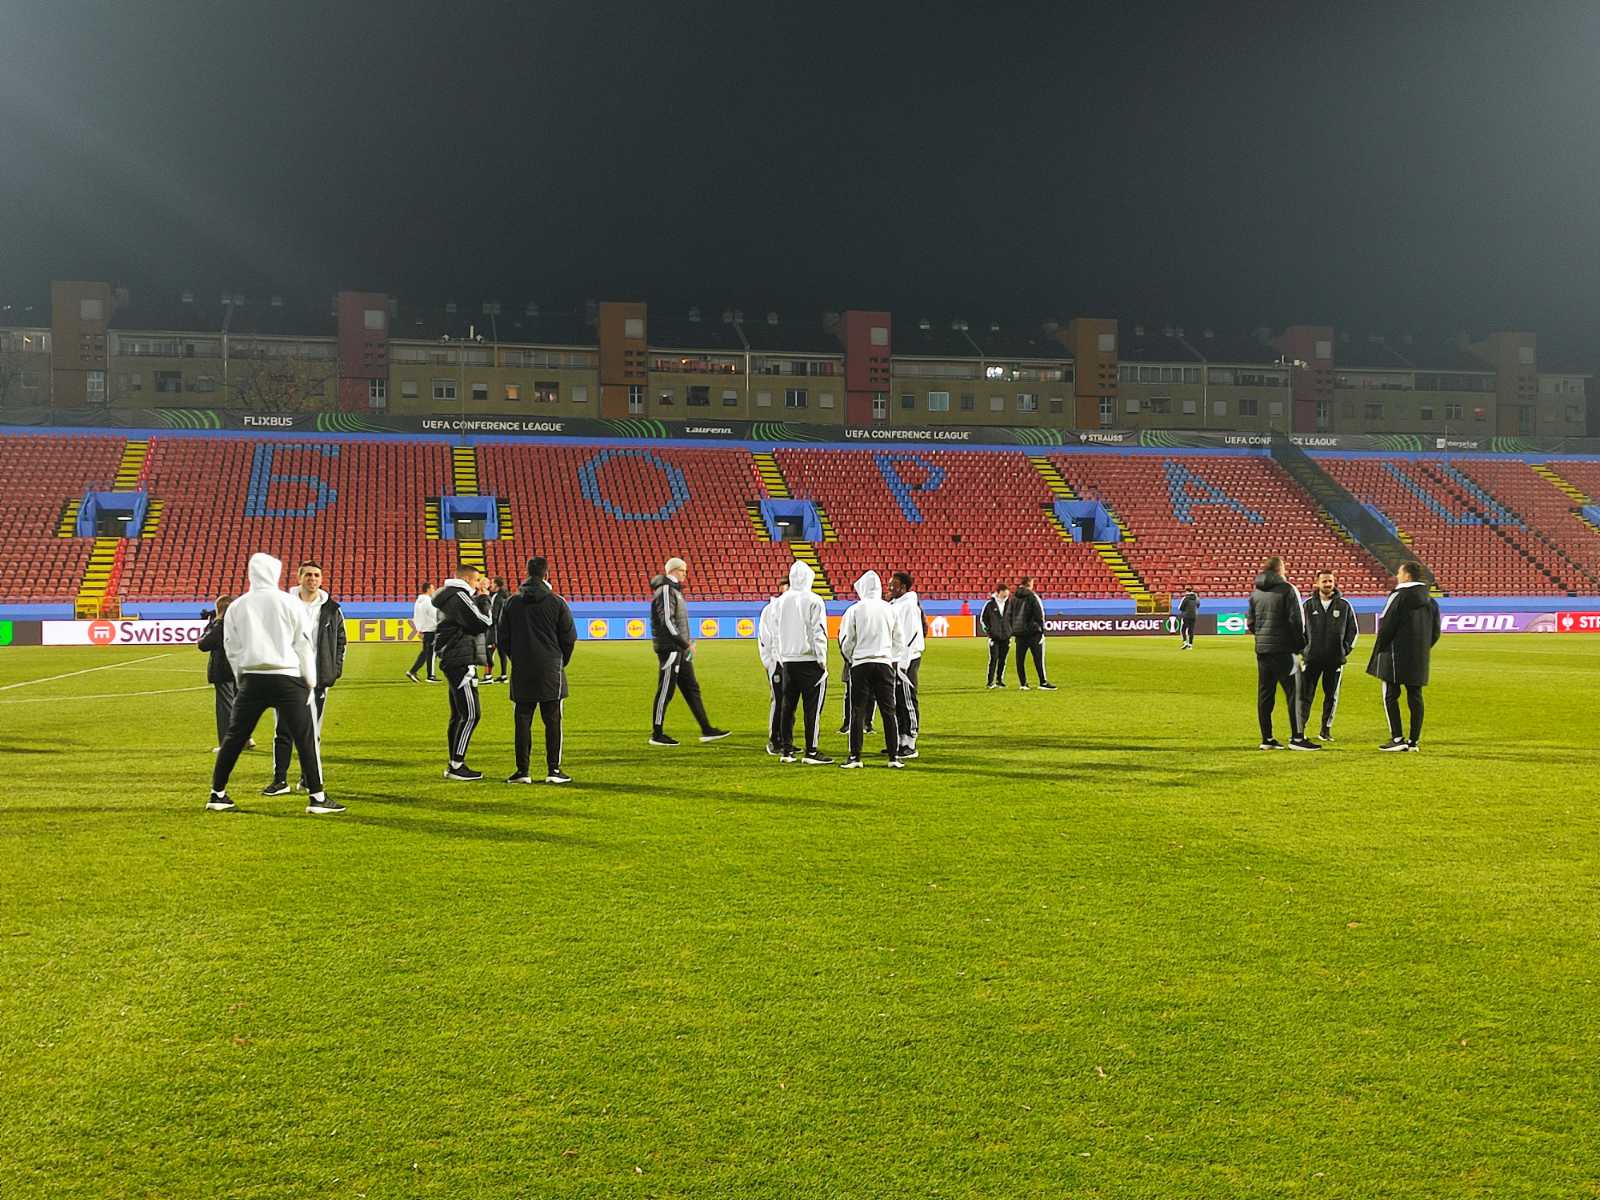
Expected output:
(1555, 530)
(227, 497)
(40, 476)
(1210, 521)
(1472, 542)
(958, 521)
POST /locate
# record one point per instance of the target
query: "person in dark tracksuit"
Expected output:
(1408, 629)
(1330, 636)
(219, 672)
(326, 620)
(996, 626)
(461, 642)
(1278, 622)
(669, 635)
(498, 599)
(1027, 626)
(537, 631)
(1188, 613)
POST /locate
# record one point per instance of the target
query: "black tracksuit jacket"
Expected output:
(994, 622)
(1330, 632)
(1275, 616)
(462, 638)
(1029, 619)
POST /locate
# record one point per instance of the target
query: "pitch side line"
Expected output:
(86, 671)
(204, 687)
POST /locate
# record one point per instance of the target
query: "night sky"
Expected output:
(1378, 166)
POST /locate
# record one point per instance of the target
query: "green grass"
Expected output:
(1091, 944)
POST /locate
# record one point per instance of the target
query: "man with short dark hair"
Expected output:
(425, 620)
(537, 631)
(907, 606)
(1188, 613)
(326, 622)
(1278, 622)
(1027, 626)
(996, 627)
(1330, 636)
(1408, 629)
(462, 643)
(498, 599)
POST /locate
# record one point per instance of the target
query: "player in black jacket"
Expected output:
(1027, 626)
(1330, 636)
(996, 626)
(1402, 652)
(1188, 612)
(462, 644)
(537, 631)
(669, 634)
(1278, 622)
(498, 599)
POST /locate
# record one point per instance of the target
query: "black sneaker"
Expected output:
(519, 777)
(661, 739)
(1047, 687)
(714, 734)
(1414, 747)
(463, 774)
(1326, 735)
(558, 776)
(1303, 743)
(773, 750)
(277, 787)
(1396, 744)
(844, 729)
(851, 764)
(500, 679)
(1272, 744)
(817, 759)
(219, 802)
(301, 786)
(320, 805)
(908, 754)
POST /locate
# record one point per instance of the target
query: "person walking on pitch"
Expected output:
(669, 634)
(1330, 636)
(870, 641)
(537, 632)
(802, 652)
(1278, 621)
(1027, 626)
(767, 651)
(1408, 630)
(268, 641)
(425, 620)
(996, 626)
(327, 632)
(462, 643)
(1188, 613)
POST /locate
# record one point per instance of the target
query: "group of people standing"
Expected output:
(1015, 616)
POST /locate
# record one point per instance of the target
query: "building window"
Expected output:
(1524, 411)
(514, 392)
(205, 384)
(907, 401)
(1323, 414)
(1160, 405)
(377, 393)
(636, 397)
(91, 309)
(1275, 409)
(1324, 350)
(444, 389)
(1106, 343)
(1057, 405)
(1108, 412)
(1572, 414)
(1425, 412)
(794, 397)
(938, 401)
(480, 391)
(1452, 411)
(1189, 408)
(1027, 402)
(968, 402)
(665, 398)
(546, 391)
(1132, 404)
(1248, 406)
(763, 399)
(879, 335)
(580, 393)
(825, 400)
(133, 381)
(1372, 410)
(408, 389)
(633, 328)
(697, 395)
(880, 406)
(730, 398)
(169, 381)
(373, 319)
(1525, 355)
(1219, 408)
(94, 385)
(997, 404)
(1478, 414)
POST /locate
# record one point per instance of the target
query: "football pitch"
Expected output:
(1091, 943)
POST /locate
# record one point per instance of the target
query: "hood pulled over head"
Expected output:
(800, 577)
(868, 587)
(265, 571)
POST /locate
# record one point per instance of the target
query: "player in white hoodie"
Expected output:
(908, 608)
(869, 639)
(767, 649)
(269, 645)
(802, 652)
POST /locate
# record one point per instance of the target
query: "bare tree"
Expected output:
(279, 383)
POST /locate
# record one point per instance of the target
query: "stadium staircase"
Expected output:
(1109, 552)
(770, 473)
(464, 478)
(97, 590)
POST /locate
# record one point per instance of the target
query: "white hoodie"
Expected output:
(870, 630)
(424, 616)
(767, 636)
(265, 631)
(802, 620)
(908, 608)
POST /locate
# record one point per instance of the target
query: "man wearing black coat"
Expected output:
(1330, 636)
(498, 599)
(1278, 622)
(326, 620)
(1027, 626)
(1188, 613)
(462, 643)
(219, 672)
(996, 626)
(538, 634)
(1408, 629)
